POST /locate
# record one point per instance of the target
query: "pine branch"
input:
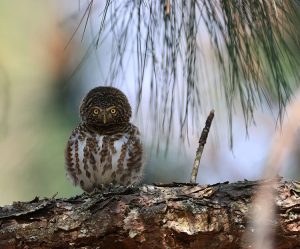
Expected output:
(255, 44)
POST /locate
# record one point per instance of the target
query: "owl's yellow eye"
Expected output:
(113, 110)
(96, 111)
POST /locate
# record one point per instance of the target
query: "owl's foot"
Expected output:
(96, 191)
(112, 189)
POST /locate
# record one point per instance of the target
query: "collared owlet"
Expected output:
(105, 148)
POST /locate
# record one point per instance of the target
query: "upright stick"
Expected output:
(202, 142)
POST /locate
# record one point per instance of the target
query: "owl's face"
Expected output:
(105, 106)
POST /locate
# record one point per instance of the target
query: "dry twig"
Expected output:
(202, 142)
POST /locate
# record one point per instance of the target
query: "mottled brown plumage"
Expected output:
(105, 148)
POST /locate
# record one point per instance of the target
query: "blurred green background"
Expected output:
(34, 122)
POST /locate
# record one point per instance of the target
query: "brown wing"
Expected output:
(70, 159)
(134, 160)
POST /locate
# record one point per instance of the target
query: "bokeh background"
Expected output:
(43, 76)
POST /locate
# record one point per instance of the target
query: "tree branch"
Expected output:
(151, 216)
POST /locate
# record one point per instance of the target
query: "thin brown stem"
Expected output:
(202, 142)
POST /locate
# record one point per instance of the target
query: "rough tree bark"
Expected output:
(163, 216)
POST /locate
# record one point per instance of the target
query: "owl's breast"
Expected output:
(93, 160)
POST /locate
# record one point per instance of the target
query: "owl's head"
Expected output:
(105, 106)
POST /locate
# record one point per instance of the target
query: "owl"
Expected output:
(105, 148)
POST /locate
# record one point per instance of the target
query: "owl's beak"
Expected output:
(104, 119)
